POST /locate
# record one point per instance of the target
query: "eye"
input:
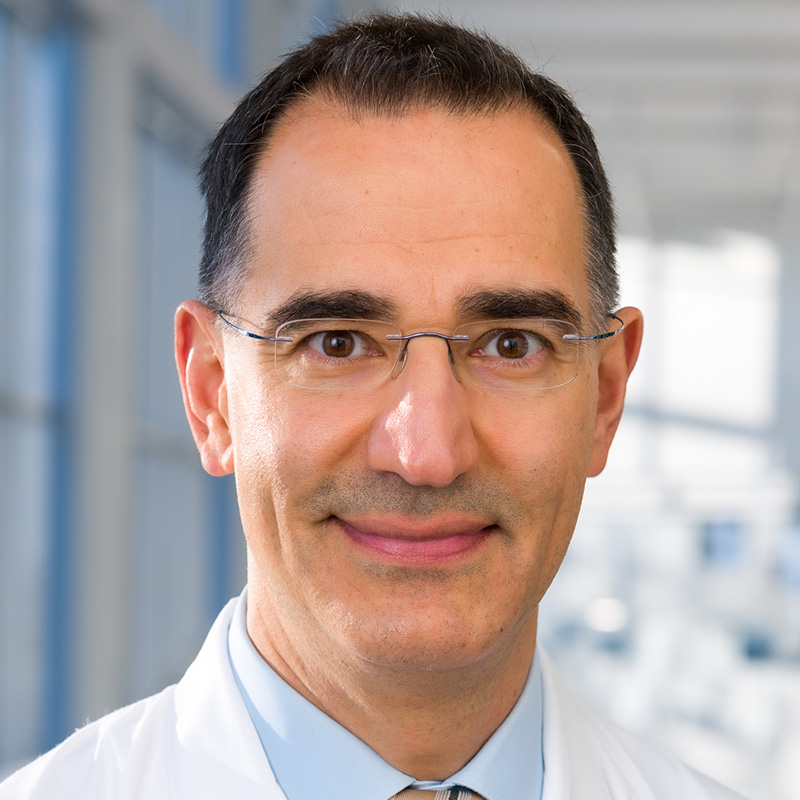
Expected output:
(340, 344)
(510, 344)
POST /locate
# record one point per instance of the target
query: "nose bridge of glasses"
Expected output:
(404, 339)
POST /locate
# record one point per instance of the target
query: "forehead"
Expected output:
(422, 209)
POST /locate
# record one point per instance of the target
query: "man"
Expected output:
(408, 354)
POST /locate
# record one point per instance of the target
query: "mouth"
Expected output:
(433, 541)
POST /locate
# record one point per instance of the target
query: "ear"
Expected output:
(615, 366)
(201, 367)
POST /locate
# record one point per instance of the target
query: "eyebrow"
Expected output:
(342, 304)
(520, 303)
(487, 304)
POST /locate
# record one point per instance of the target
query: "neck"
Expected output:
(427, 723)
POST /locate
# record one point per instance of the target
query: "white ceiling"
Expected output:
(696, 105)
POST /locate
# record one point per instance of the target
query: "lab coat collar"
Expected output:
(571, 766)
(217, 750)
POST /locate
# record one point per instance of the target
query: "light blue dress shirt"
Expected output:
(308, 750)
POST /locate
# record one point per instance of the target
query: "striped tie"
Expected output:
(442, 794)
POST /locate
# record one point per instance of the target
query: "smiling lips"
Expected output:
(434, 541)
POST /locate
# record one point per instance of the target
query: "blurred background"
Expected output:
(678, 609)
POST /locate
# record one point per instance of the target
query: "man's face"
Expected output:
(416, 523)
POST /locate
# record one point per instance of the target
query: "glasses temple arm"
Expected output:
(571, 337)
(248, 333)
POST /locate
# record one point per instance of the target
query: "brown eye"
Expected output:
(338, 344)
(512, 344)
(342, 344)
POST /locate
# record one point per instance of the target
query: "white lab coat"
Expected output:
(195, 741)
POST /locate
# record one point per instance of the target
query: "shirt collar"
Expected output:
(308, 750)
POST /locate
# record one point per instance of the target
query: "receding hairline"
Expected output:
(353, 109)
(309, 103)
(385, 65)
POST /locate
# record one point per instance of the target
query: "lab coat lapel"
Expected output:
(216, 751)
(572, 769)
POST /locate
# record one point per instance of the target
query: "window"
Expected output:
(36, 108)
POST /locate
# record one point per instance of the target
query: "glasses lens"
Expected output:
(335, 353)
(518, 354)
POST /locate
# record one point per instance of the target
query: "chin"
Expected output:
(427, 642)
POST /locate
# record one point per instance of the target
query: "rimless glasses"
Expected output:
(505, 354)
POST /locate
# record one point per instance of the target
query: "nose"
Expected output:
(424, 431)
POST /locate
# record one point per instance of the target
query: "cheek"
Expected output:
(542, 452)
(546, 438)
(257, 431)
(286, 440)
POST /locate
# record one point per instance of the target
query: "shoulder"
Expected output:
(123, 749)
(634, 767)
(193, 740)
(136, 751)
(589, 757)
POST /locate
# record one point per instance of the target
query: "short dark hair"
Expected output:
(389, 65)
